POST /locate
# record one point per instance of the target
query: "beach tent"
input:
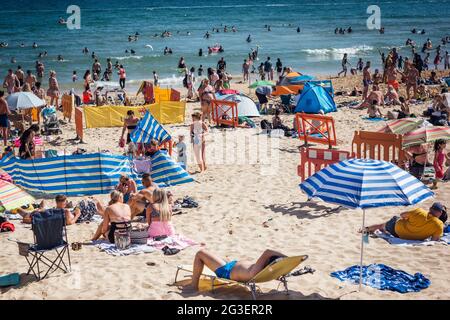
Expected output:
(246, 106)
(314, 99)
(148, 128)
(12, 197)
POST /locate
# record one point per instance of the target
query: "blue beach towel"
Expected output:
(373, 119)
(382, 277)
(402, 242)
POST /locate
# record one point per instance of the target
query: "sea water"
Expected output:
(105, 26)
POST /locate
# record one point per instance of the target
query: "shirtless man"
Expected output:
(11, 82)
(30, 79)
(115, 216)
(61, 203)
(412, 76)
(344, 64)
(4, 121)
(138, 202)
(391, 74)
(233, 270)
(375, 95)
(20, 75)
(40, 68)
(367, 80)
(391, 97)
(245, 69)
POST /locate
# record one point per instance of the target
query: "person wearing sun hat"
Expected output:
(417, 224)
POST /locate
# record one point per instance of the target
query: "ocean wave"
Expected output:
(338, 51)
(128, 57)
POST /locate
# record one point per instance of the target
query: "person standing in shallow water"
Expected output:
(122, 76)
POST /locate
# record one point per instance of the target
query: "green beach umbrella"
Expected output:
(261, 83)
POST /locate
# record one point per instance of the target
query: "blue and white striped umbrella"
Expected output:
(365, 183)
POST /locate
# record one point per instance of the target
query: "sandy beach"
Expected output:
(244, 208)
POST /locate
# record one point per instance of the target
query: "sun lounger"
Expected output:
(277, 270)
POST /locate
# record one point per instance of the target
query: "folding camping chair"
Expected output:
(277, 270)
(50, 238)
(285, 103)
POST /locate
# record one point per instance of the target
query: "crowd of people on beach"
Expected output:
(156, 206)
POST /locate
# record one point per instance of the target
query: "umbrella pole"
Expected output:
(362, 250)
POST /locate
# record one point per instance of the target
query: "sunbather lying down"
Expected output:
(233, 270)
(416, 224)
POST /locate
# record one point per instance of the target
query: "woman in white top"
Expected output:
(198, 131)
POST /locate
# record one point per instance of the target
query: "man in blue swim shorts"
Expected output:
(233, 270)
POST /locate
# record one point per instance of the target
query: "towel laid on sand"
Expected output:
(373, 119)
(110, 248)
(176, 241)
(407, 243)
(382, 277)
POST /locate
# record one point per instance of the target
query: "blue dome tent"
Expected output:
(313, 99)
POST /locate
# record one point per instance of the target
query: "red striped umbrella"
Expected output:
(425, 135)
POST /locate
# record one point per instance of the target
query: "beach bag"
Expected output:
(139, 234)
(51, 153)
(7, 227)
(122, 239)
(185, 84)
(122, 143)
(88, 209)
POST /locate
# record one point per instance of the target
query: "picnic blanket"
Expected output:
(408, 243)
(176, 241)
(382, 277)
(134, 249)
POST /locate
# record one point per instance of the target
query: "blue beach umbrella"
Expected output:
(365, 183)
(302, 78)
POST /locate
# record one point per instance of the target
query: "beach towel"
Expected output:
(176, 242)
(374, 119)
(382, 277)
(134, 249)
(12, 216)
(409, 243)
(88, 210)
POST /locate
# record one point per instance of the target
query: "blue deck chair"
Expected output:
(50, 248)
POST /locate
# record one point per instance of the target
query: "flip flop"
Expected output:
(170, 251)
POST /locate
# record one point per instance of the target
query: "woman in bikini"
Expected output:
(159, 215)
(233, 270)
(53, 89)
(206, 94)
(129, 125)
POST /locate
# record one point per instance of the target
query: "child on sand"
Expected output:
(374, 111)
(198, 129)
(181, 150)
(439, 160)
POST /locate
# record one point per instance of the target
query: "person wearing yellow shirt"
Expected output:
(417, 224)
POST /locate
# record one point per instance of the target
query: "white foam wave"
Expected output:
(128, 57)
(338, 51)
